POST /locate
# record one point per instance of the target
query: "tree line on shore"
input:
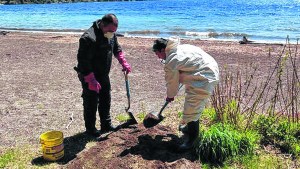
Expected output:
(10, 2)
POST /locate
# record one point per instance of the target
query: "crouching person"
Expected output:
(198, 71)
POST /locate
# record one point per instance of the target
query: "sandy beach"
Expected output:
(40, 90)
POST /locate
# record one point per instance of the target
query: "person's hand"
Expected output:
(93, 84)
(126, 67)
(169, 99)
(124, 63)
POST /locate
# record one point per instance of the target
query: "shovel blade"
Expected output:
(152, 119)
(131, 119)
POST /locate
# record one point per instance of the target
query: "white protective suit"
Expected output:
(194, 68)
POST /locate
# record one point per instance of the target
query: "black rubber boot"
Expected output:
(89, 113)
(190, 134)
(104, 106)
(183, 129)
(105, 121)
(93, 132)
(107, 127)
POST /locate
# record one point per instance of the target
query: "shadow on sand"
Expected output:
(72, 146)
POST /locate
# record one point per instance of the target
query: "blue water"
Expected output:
(260, 20)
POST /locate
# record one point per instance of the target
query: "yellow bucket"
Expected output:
(52, 145)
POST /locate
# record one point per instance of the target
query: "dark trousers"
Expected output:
(93, 101)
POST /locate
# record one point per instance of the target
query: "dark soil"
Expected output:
(137, 148)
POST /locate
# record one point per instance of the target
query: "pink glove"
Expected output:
(123, 62)
(169, 99)
(93, 83)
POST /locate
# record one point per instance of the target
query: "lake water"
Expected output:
(259, 20)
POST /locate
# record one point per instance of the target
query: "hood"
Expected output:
(172, 44)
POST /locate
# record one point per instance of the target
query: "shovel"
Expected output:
(153, 118)
(131, 119)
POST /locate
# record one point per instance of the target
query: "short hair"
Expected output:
(110, 19)
(159, 44)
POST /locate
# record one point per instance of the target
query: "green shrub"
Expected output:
(221, 142)
(280, 133)
(289, 145)
(265, 127)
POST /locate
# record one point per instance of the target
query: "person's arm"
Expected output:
(172, 78)
(84, 56)
(119, 54)
(117, 47)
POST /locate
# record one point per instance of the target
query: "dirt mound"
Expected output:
(136, 147)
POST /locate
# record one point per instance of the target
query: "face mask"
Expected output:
(109, 35)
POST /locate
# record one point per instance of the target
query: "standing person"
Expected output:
(96, 47)
(198, 71)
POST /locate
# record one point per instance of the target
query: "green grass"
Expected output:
(21, 157)
(141, 116)
(221, 142)
(7, 157)
(122, 117)
(30, 157)
(261, 160)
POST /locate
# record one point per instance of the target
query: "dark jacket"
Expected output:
(95, 51)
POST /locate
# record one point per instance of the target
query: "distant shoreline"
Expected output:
(79, 32)
(24, 2)
(211, 36)
(42, 30)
